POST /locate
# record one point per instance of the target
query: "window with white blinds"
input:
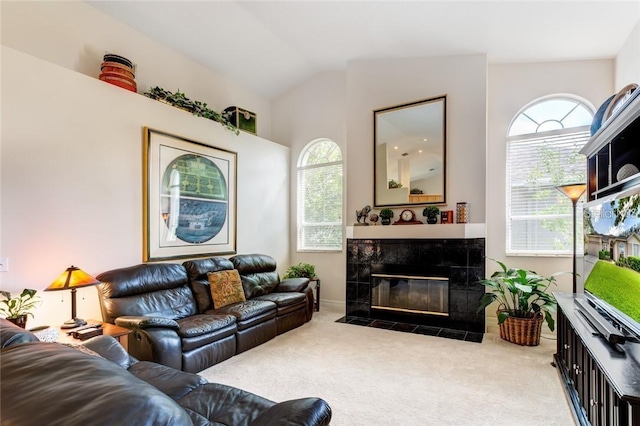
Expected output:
(319, 197)
(542, 153)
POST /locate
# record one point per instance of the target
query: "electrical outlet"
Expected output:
(4, 264)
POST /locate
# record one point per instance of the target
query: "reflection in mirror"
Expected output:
(409, 153)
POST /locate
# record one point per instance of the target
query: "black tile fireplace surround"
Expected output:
(461, 261)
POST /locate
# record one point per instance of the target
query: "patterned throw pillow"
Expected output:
(226, 288)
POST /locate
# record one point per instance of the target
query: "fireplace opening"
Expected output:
(413, 294)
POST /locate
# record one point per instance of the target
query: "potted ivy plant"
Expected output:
(386, 215)
(523, 303)
(431, 213)
(301, 270)
(16, 309)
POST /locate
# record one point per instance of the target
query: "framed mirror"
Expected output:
(409, 152)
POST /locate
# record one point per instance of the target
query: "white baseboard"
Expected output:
(333, 304)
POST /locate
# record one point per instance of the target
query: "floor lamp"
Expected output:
(574, 191)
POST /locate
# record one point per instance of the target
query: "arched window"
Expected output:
(542, 153)
(320, 197)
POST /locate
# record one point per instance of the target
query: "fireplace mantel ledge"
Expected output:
(453, 230)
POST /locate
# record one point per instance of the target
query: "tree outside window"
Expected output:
(319, 207)
(542, 153)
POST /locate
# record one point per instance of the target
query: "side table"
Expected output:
(119, 333)
(316, 293)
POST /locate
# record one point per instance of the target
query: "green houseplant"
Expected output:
(16, 309)
(523, 303)
(301, 270)
(394, 185)
(431, 213)
(197, 108)
(386, 215)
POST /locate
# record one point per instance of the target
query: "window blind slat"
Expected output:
(539, 217)
(319, 198)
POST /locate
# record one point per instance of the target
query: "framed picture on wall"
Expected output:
(189, 198)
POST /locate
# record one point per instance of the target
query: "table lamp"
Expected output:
(574, 191)
(72, 278)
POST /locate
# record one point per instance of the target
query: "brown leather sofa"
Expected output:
(52, 384)
(174, 319)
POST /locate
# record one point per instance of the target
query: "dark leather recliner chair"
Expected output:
(262, 282)
(157, 302)
(255, 319)
(175, 322)
(114, 389)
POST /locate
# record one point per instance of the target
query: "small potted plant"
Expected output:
(394, 185)
(523, 303)
(16, 309)
(431, 213)
(301, 270)
(385, 216)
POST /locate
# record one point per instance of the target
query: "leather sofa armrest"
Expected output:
(171, 382)
(11, 334)
(302, 412)
(110, 349)
(293, 284)
(146, 322)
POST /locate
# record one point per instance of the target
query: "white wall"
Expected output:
(71, 179)
(75, 35)
(511, 87)
(628, 60)
(313, 110)
(340, 106)
(375, 84)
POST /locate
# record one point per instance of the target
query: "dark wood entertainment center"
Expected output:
(601, 381)
(601, 376)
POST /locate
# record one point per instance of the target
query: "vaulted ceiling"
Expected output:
(271, 46)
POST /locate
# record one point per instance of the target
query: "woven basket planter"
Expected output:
(522, 331)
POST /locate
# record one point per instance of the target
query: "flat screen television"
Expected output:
(612, 259)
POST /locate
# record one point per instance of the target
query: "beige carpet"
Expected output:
(371, 376)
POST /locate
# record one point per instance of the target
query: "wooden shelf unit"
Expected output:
(615, 144)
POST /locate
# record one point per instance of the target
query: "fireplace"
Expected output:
(411, 294)
(449, 269)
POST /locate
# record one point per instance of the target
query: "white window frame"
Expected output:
(302, 223)
(579, 132)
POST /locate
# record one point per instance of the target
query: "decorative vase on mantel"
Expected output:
(431, 213)
(385, 216)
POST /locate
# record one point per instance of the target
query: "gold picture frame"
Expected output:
(189, 198)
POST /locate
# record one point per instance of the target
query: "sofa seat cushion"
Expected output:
(200, 330)
(286, 302)
(225, 405)
(199, 325)
(249, 312)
